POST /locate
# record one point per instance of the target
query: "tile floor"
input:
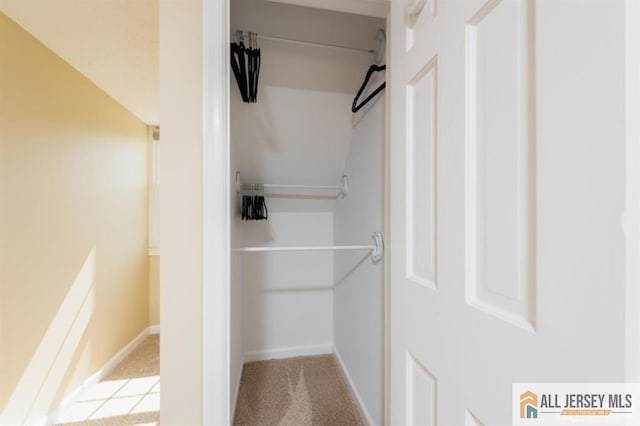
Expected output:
(130, 395)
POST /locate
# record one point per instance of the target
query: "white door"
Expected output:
(507, 177)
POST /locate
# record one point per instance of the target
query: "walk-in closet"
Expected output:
(307, 132)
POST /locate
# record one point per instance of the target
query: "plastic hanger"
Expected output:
(373, 68)
(238, 65)
(251, 67)
(253, 56)
(256, 67)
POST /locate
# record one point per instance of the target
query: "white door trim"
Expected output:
(216, 403)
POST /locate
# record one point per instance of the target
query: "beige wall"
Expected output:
(154, 290)
(73, 227)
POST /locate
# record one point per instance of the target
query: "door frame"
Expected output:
(216, 325)
(216, 187)
(217, 184)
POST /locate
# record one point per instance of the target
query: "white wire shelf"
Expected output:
(240, 34)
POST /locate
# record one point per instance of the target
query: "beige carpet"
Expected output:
(295, 392)
(143, 361)
(129, 395)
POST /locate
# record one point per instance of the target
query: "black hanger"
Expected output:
(239, 68)
(245, 63)
(256, 69)
(253, 56)
(373, 68)
(254, 206)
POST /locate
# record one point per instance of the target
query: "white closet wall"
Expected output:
(288, 297)
(293, 135)
(236, 313)
(359, 289)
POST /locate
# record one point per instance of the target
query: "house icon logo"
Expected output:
(528, 405)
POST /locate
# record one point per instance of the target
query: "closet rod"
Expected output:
(344, 188)
(312, 43)
(376, 249)
(306, 248)
(277, 186)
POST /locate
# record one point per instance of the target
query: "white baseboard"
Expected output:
(107, 368)
(288, 352)
(154, 329)
(354, 390)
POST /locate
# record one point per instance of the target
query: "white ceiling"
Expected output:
(114, 43)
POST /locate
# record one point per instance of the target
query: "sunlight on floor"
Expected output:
(115, 398)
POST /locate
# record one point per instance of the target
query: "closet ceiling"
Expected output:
(114, 43)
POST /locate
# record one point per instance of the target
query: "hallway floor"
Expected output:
(130, 395)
